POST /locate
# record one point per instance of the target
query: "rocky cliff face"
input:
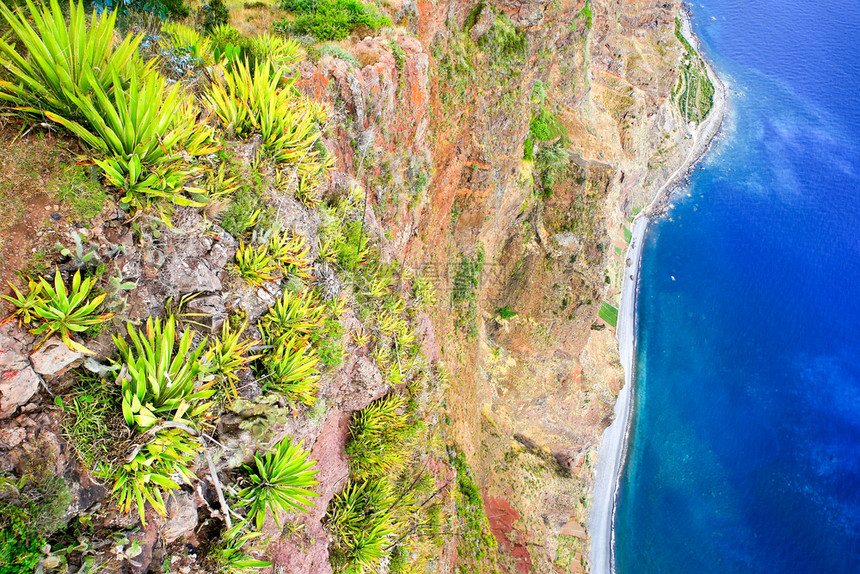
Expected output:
(502, 145)
(436, 127)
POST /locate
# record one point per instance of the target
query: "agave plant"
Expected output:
(148, 475)
(63, 60)
(380, 438)
(229, 556)
(280, 481)
(292, 367)
(248, 102)
(293, 314)
(228, 354)
(62, 310)
(423, 291)
(24, 303)
(291, 253)
(185, 40)
(277, 50)
(360, 521)
(159, 378)
(255, 265)
(143, 130)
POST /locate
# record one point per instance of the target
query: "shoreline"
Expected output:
(612, 452)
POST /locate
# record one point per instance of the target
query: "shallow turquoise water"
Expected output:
(745, 447)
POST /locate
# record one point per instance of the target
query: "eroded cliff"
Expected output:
(439, 130)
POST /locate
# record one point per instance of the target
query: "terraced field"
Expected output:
(694, 92)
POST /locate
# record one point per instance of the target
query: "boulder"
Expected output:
(54, 357)
(16, 388)
(213, 306)
(181, 517)
(190, 277)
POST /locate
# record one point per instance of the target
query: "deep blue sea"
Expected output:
(745, 446)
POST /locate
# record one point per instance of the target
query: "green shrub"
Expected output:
(338, 51)
(213, 14)
(333, 19)
(504, 41)
(163, 9)
(529, 149)
(545, 126)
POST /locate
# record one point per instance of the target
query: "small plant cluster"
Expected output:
(291, 365)
(58, 309)
(473, 527)
(331, 19)
(283, 256)
(547, 143)
(143, 131)
(145, 436)
(384, 511)
(464, 290)
(31, 509)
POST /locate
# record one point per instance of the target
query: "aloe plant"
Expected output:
(280, 481)
(254, 265)
(159, 378)
(228, 354)
(277, 50)
(261, 101)
(291, 253)
(142, 128)
(63, 310)
(149, 474)
(292, 368)
(293, 314)
(63, 60)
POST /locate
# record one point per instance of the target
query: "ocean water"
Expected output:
(745, 445)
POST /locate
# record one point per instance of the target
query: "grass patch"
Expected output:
(586, 15)
(77, 189)
(247, 208)
(476, 539)
(628, 235)
(609, 314)
(93, 422)
(332, 19)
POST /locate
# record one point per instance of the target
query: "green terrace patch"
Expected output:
(694, 92)
(609, 314)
